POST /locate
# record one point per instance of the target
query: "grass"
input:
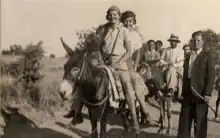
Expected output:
(48, 86)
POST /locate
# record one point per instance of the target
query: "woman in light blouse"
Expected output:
(114, 33)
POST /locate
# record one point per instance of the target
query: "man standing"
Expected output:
(198, 80)
(173, 58)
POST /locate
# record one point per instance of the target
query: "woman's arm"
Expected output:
(137, 59)
(128, 48)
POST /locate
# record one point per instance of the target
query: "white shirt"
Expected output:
(192, 60)
(173, 55)
(136, 40)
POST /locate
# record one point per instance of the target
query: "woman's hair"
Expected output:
(149, 41)
(113, 8)
(159, 41)
(127, 14)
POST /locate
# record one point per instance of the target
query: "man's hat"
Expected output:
(174, 38)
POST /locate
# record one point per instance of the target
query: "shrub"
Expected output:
(52, 55)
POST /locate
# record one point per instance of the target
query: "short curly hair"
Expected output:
(149, 41)
(159, 42)
(127, 14)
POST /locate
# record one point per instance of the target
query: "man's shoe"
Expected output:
(78, 119)
(70, 114)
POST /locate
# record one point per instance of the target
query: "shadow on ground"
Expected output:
(114, 133)
(19, 126)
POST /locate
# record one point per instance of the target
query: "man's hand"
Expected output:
(207, 98)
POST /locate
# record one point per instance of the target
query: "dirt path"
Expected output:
(22, 127)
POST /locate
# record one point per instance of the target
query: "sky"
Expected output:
(28, 21)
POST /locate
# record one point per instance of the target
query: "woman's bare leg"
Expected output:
(139, 87)
(129, 94)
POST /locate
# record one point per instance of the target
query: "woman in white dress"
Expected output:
(129, 20)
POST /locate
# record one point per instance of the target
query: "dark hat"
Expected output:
(174, 38)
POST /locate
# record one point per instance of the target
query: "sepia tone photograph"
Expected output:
(109, 68)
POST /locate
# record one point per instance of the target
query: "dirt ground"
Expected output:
(21, 126)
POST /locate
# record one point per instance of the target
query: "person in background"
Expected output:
(150, 56)
(159, 45)
(173, 58)
(128, 18)
(186, 49)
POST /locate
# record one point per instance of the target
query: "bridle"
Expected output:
(103, 101)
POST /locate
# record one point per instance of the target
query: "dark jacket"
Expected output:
(203, 74)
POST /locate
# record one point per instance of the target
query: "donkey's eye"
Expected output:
(75, 69)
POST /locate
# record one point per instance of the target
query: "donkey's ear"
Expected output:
(66, 47)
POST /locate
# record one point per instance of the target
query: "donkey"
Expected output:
(155, 80)
(95, 97)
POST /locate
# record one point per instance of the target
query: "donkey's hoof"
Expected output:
(168, 132)
(104, 135)
(160, 131)
(127, 130)
(137, 135)
(69, 126)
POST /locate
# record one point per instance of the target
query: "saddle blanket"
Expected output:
(115, 87)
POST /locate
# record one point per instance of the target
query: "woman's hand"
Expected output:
(115, 65)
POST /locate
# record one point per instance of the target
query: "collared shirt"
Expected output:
(192, 59)
(173, 55)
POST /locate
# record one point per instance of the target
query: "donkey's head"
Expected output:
(71, 71)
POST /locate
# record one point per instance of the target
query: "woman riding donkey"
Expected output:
(129, 20)
(115, 50)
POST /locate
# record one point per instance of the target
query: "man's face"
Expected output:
(173, 44)
(129, 22)
(186, 50)
(198, 42)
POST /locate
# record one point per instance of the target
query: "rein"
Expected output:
(84, 100)
(104, 101)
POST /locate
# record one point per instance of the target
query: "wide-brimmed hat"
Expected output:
(174, 38)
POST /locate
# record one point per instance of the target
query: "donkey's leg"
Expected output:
(142, 116)
(93, 120)
(169, 114)
(162, 116)
(217, 105)
(103, 123)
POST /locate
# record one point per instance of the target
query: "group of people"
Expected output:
(122, 40)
